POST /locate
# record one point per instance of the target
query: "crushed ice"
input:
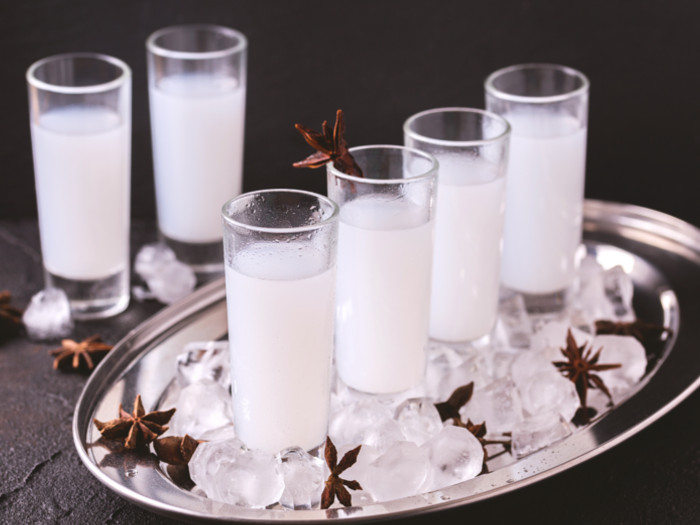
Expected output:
(167, 278)
(517, 391)
(48, 315)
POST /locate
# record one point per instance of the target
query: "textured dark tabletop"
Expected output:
(653, 477)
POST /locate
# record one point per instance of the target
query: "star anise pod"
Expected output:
(479, 432)
(450, 409)
(176, 450)
(330, 146)
(643, 331)
(136, 429)
(580, 366)
(10, 317)
(77, 355)
(335, 485)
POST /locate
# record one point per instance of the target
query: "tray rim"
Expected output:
(596, 213)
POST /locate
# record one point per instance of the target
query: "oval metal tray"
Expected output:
(661, 253)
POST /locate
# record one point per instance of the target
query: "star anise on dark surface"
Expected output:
(176, 450)
(579, 367)
(643, 331)
(10, 317)
(335, 485)
(136, 429)
(76, 356)
(330, 146)
(450, 409)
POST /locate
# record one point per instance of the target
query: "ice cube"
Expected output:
(173, 282)
(167, 278)
(449, 369)
(401, 471)
(303, 479)
(195, 417)
(151, 258)
(48, 315)
(625, 350)
(227, 471)
(514, 319)
(358, 471)
(552, 335)
(530, 363)
(455, 456)
(537, 432)
(498, 405)
(590, 299)
(204, 361)
(419, 420)
(619, 290)
(549, 391)
(367, 422)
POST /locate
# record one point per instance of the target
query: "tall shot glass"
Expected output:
(547, 108)
(280, 251)
(385, 246)
(471, 146)
(80, 119)
(197, 88)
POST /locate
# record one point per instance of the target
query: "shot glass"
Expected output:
(197, 89)
(547, 108)
(280, 252)
(471, 146)
(385, 246)
(80, 119)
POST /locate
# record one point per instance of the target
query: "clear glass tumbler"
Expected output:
(80, 119)
(471, 146)
(385, 248)
(280, 252)
(547, 108)
(197, 91)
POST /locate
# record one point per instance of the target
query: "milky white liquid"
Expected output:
(280, 318)
(544, 201)
(197, 130)
(82, 171)
(384, 261)
(466, 261)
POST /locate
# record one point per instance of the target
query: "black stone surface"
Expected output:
(653, 477)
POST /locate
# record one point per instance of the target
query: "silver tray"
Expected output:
(661, 253)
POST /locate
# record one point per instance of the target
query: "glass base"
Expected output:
(204, 258)
(94, 298)
(464, 346)
(543, 304)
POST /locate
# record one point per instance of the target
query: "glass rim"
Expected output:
(432, 172)
(456, 143)
(547, 99)
(158, 50)
(79, 90)
(333, 217)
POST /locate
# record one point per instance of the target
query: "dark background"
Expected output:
(382, 61)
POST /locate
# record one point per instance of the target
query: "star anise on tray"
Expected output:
(176, 450)
(335, 485)
(479, 432)
(579, 367)
(136, 429)
(330, 146)
(74, 355)
(450, 409)
(10, 317)
(643, 331)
